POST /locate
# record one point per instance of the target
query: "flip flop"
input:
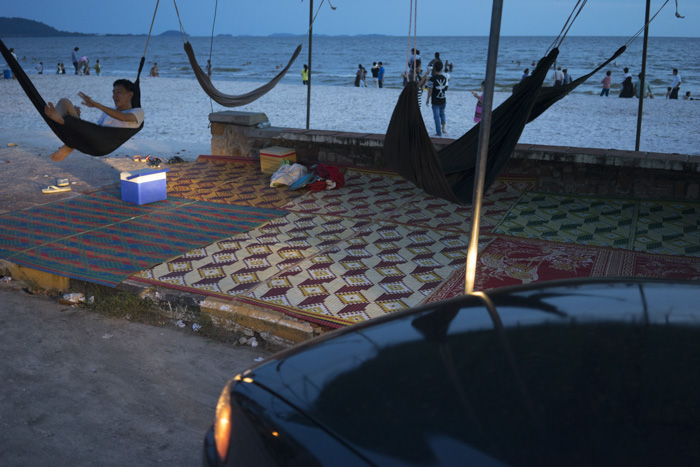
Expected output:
(55, 189)
(155, 162)
(62, 182)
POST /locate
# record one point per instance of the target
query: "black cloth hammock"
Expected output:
(449, 173)
(86, 137)
(228, 100)
(548, 96)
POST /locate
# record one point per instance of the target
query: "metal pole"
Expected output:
(642, 81)
(308, 87)
(483, 146)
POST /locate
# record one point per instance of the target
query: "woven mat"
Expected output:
(661, 227)
(227, 180)
(514, 261)
(341, 256)
(101, 239)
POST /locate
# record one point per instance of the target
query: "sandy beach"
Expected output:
(177, 116)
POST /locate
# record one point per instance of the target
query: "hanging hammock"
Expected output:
(449, 174)
(229, 100)
(548, 96)
(86, 137)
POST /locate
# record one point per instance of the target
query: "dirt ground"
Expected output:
(82, 389)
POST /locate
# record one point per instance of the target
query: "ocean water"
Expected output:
(336, 58)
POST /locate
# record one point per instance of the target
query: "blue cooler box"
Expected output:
(144, 186)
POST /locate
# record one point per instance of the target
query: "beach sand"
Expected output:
(177, 116)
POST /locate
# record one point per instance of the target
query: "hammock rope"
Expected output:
(567, 25)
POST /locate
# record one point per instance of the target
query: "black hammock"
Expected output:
(228, 100)
(86, 137)
(449, 173)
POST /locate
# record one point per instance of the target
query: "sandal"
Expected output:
(176, 160)
(155, 162)
(62, 182)
(55, 189)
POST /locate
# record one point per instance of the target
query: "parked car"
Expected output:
(593, 372)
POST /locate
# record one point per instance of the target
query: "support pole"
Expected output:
(308, 87)
(643, 80)
(483, 146)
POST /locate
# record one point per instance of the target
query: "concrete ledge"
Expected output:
(229, 315)
(234, 117)
(43, 280)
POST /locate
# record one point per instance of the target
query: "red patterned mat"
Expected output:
(510, 261)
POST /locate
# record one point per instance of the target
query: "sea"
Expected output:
(335, 59)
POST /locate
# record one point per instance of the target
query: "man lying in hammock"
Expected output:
(122, 115)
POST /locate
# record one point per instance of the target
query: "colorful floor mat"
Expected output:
(648, 226)
(327, 269)
(515, 261)
(229, 181)
(101, 239)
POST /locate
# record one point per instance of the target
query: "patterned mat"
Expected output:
(327, 269)
(648, 226)
(101, 239)
(229, 181)
(385, 196)
(515, 261)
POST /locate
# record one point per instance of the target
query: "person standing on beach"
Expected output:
(358, 75)
(433, 62)
(437, 87)
(121, 116)
(638, 89)
(479, 103)
(567, 77)
(375, 75)
(676, 84)
(380, 75)
(305, 75)
(98, 68)
(415, 73)
(606, 84)
(74, 59)
(40, 68)
(155, 71)
(558, 77)
(627, 86)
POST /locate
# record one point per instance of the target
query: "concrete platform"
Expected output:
(274, 319)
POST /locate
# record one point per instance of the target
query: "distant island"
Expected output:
(20, 27)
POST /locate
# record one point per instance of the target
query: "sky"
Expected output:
(351, 17)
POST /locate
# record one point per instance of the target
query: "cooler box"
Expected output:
(271, 158)
(144, 186)
(7, 74)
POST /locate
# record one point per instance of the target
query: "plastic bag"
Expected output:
(288, 174)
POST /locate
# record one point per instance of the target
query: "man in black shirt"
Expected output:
(375, 75)
(437, 87)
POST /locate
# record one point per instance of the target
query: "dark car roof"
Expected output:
(589, 371)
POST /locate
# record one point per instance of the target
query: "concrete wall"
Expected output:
(558, 169)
